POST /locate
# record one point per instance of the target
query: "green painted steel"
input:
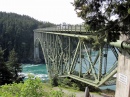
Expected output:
(119, 44)
(68, 53)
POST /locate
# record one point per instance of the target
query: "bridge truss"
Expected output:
(68, 53)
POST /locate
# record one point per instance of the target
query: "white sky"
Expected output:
(54, 11)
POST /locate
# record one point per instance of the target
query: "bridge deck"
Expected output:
(71, 29)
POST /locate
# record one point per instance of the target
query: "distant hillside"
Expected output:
(16, 31)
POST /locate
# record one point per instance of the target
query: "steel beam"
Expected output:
(119, 44)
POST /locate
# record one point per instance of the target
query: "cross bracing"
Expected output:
(68, 53)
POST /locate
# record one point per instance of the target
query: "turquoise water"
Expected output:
(38, 70)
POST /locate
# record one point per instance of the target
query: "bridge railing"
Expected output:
(70, 28)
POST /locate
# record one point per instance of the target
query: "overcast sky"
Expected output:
(54, 11)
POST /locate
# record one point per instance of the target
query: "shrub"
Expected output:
(56, 93)
(64, 82)
(54, 81)
(30, 88)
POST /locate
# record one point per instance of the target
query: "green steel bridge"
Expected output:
(68, 52)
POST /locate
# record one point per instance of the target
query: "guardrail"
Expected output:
(65, 28)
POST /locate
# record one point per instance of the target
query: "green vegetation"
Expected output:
(33, 87)
(13, 66)
(97, 16)
(5, 74)
(16, 32)
(9, 70)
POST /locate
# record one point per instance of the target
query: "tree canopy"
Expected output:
(105, 18)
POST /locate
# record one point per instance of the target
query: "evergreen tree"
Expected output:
(5, 75)
(98, 14)
(13, 65)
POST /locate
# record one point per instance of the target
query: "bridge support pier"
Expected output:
(36, 55)
(123, 75)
